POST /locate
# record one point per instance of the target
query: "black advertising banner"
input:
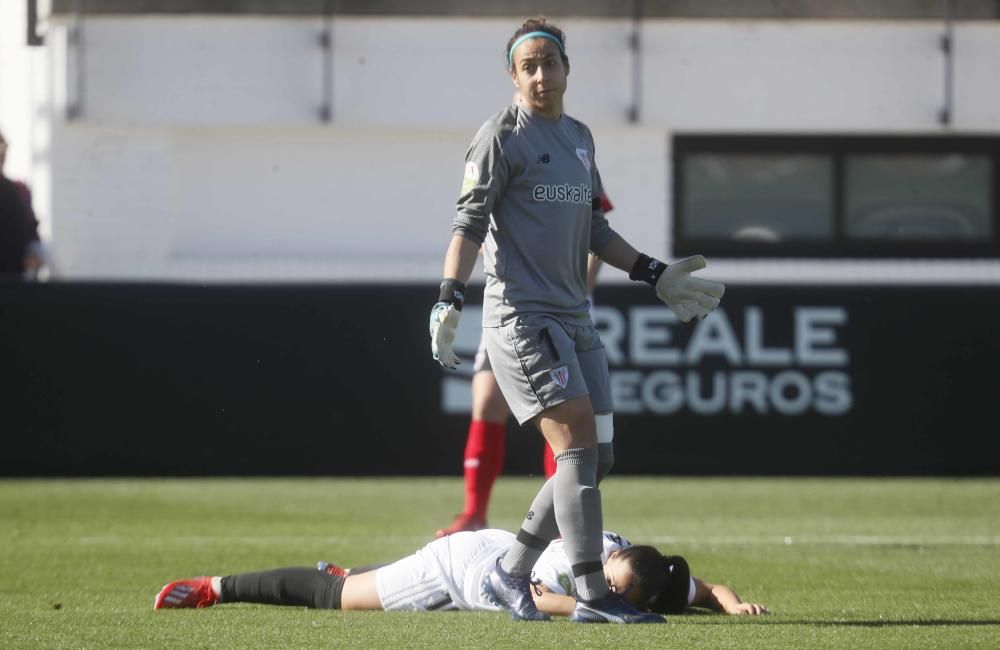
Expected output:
(806, 380)
(134, 379)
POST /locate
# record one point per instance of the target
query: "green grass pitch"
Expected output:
(844, 563)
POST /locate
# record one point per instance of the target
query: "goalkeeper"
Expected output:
(531, 197)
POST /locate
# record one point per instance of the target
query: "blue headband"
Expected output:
(510, 55)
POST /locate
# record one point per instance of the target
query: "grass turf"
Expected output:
(845, 563)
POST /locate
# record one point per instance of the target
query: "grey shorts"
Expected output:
(540, 361)
(482, 361)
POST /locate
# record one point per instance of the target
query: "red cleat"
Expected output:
(195, 592)
(462, 522)
(332, 569)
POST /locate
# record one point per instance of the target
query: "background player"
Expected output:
(531, 195)
(446, 574)
(20, 248)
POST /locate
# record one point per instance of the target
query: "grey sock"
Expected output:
(539, 527)
(578, 513)
(537, 530)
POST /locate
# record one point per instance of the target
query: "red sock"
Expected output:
(484, 452)
(549, 461)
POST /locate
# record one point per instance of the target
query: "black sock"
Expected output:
(295, 586)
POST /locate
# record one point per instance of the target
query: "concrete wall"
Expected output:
(198, 152)
(775, 9)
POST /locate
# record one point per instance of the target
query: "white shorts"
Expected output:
(412, 584)
(445, 574)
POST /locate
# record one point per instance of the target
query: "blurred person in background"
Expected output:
(20, 248)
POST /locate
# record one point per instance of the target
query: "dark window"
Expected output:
(758, 197)
(913, 197)
(785, 196)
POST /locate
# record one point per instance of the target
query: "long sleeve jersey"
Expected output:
(531, 195)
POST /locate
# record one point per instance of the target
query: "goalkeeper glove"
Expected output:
(688, 297)
(444, 322)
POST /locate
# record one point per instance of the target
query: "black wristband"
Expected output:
(647, 269)
(452, 292)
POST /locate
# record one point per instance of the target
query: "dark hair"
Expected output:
(673, 598)
(537, 24)
(663, 581)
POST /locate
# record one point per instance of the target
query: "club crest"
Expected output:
(584, 157)
(560, 376)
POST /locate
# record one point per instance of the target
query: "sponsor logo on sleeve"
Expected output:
(471, 177)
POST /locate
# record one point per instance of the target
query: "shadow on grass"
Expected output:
(697, 613)
(903, 623)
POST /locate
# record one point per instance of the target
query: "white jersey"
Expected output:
(444, 574)
(471, 559)
(448, 573)
(554, 570)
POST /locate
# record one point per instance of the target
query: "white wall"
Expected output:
(24, 106)
(15, 88)
(288, 203)
(445, 73)
(199, 154)
(751, 76)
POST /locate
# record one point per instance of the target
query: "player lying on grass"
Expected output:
(447, 574)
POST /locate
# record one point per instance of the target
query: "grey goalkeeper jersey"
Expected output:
(532, 194)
